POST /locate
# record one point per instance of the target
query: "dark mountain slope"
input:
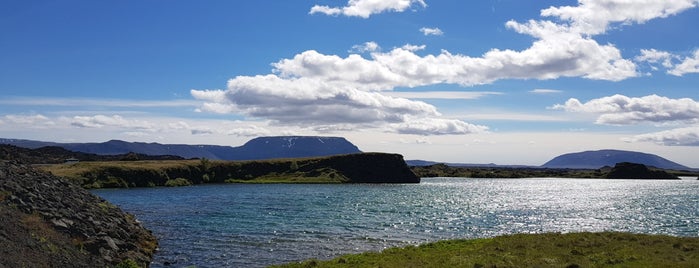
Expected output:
(255, 149)
(601, 158)
(57, 155)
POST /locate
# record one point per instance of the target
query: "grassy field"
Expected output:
(607, 249)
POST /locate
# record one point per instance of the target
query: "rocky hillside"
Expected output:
(255, 149)
(46, 221)
(601, 158)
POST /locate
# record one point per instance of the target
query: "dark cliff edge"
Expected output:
(626, 170)
(350, 168)
(46, 221)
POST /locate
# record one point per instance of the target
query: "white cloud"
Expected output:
(413, 48)
(465, 95)
(248, 131)
(312, 101)
(99, 121)
(366, 8)
(544, 91)
(688, 65)
(656, 56)
(366, 47)
(327, 106)
(402, 67)
(623, 110)
(431, 31)
(593, 17)
(36, 119)
(437, 127)
(688, 136)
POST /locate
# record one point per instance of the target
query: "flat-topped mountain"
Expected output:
(255, 149)
(601, 158)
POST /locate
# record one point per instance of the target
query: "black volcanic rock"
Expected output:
(626, 170)
(255, 149)
(601, 158)
(46, 221)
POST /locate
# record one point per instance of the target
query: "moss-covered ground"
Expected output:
(606, 249)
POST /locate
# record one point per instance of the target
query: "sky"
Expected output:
(491, 81)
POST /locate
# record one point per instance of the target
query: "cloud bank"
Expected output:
(687, 136)
(623, 110)
(366, 8)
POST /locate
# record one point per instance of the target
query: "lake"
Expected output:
(254, 225)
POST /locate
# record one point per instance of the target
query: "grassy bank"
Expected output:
(605, 249)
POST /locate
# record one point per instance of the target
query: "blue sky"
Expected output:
(507, 82)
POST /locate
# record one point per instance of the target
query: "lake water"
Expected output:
(253, 225)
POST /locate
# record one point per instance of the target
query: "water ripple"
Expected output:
(258, 225)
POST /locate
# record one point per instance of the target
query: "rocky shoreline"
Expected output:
(47, 221)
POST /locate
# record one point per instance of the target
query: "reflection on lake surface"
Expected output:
(252, 225)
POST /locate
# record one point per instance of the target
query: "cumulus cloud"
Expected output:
(688, 65)
(403, 67)
(36, 119)
(312, 101)
(544, 91)
(366, 8)
(464, 95)
(327, 106)
(431, 31)
(656, 56)
(438, 127)
(595, 16)
(248, 131)
(623, 110)
(99, 121)
(366, 47)
(688, 136)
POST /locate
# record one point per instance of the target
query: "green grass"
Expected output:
(607, 249)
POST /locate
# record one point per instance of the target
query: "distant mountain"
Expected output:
(258, 148)
(57, 155)
(601, 158)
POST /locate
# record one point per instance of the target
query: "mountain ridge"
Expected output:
(255, 149)
(595, 159)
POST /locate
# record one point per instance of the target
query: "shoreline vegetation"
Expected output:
(623, 170)
(599, 249)
(351, 168)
